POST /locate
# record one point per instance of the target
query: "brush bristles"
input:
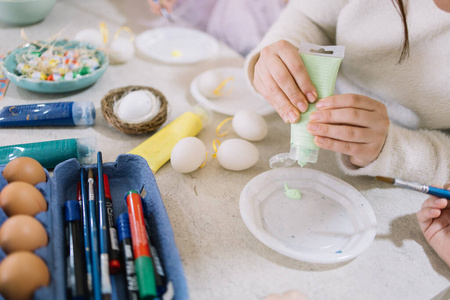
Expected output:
(386, 179)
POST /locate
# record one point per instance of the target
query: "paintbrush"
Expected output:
(164, 11)
(430, 190)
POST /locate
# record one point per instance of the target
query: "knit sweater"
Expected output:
(415, 92)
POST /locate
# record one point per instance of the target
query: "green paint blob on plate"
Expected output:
(292, 193)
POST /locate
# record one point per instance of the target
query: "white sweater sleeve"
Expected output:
(301, 20)
(415, 155)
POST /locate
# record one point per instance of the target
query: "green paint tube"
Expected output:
(322, 63)
(51, 153)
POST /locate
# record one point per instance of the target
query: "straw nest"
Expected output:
(107, 105)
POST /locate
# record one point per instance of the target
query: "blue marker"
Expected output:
(94, 239)
(103, 233)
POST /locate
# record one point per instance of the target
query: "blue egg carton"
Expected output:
(128, 172)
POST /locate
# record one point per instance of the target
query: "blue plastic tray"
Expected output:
(128, 172)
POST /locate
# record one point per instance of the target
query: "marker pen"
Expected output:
(126, 247)
(160, 276)
(76, 271)
(103, 231)
(114, 251)
(143, 262)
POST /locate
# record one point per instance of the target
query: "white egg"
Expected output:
(137, 107)
(121, 50)
(237, 154)
(91, 36)
(209, 84)
(249, 125)
(188, 155)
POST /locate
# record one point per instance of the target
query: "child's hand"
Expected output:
(282, 78)
(289, 295)
(156, 7)
(434, 221)
(351, 124)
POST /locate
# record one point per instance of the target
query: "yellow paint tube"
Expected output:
(157, 149)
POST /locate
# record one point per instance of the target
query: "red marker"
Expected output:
(114, 255)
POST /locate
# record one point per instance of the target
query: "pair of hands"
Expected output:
(351, 124)
(434, 221)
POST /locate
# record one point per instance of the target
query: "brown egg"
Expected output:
(21, 198)
(22, 233)
(24, 169)
(21, 273)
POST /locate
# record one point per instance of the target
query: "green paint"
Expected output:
(292, 193)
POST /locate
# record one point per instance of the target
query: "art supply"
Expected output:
(292, 193)
(322, 64)
(114, 250)
(157, 149)
(48, 114)
(160, 275)
(51, 153)
(126, 247)
(164, 12)
(86, 230)
(141, 249)
(103, 231)
(426, 189)
(76, 268)
(96, 284)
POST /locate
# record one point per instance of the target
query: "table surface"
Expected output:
(221, 257)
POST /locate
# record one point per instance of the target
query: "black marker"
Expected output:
(75, 263)
(126, 247)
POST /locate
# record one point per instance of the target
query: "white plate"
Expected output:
(240, 98)
(176, 45)
(331, 223)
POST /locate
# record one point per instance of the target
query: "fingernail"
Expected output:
(302, 106)
(285, 119)
(313, 126)
(311, 96)
(320, 104)
(314, 116)
(318, 140)
(292, 117)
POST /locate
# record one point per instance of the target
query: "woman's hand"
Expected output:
(434, 221)
(289, 295)
(351, 124)
(282, 78)
(156, 7)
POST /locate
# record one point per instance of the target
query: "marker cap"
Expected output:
(71, 210)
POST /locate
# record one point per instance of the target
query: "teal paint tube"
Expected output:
(51, 153)
(322, 63)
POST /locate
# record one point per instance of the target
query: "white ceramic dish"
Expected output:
(331, 223)
(176, 45)
(241, 96)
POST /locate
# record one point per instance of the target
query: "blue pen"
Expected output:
(430, 190)
(85, 221)
(94, 239)
(164, 11)
(103, 232)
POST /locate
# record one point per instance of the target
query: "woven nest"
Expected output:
(110, 99)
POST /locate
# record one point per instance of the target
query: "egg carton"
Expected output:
(128, 172)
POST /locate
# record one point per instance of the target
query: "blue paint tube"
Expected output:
(48, 114)
(51, 153)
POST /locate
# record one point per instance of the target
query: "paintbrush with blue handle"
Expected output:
(430, 190)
